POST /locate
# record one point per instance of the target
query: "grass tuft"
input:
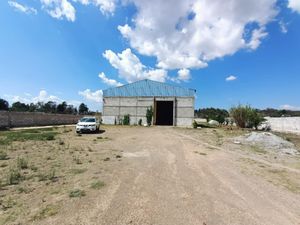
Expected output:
(22, 163)
(97, 185)
(49, 210)
(14, 177)
(76, 193)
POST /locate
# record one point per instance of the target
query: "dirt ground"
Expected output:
(143, 176)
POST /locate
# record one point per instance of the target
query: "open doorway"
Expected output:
(164, 113)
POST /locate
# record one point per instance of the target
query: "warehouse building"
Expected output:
(172, 105)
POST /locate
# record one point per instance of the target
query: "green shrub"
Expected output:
(14, 177)
(50, 176)
(149, 115)
(126, 120)
(246, 117)
(22, 163)
(76, 193)
(140, 122)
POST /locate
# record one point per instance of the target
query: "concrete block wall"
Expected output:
(115, 108)
(21, 119)
(285, 124)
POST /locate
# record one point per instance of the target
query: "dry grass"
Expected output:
(39, 169)
(277, 176)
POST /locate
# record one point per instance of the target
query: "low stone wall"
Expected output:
(285, 124)
(23, 119)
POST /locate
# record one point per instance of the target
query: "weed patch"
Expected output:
(7, 137)
(49, 210)
(78, 171)
(97, 185)
(77, 193)
(22, 163)
(14, 177)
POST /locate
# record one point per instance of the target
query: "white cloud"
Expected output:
(231, 78)
(283, 27)
(184, 75)
(188, 34)
(22, 8)
(59, 9)
(105, 6)
(92, 96)
(43, 96)
(294, 5)
(130, 67)
(290, 107)
(108, 81)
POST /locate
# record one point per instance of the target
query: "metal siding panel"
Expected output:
(148, 88)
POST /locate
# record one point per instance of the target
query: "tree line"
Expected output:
(48, 107)
(220, 115)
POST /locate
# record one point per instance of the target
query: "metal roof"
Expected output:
(148, 88)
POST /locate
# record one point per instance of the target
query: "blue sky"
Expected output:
(245, 53)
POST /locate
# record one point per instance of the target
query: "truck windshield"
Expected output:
(87, 120)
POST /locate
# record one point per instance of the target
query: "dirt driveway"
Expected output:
(172, 176)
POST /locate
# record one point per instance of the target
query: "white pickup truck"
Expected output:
(88, 124)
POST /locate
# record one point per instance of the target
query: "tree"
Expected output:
(71, 110)
(149, 115)
(83, 109)
(255, 119)
(32, 107)
(61, 108)
(4, 104)
(20, 107)
(49, 107)
(212, 114)
(246, 117)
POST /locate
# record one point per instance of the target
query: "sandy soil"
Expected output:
(159, 176)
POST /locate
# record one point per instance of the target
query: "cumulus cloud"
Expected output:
(184, 75)
(59, 9)
(188, 34)
(22, 8)
(231, 78)
(290, 107)
(294, 5)
(105, 6)
(43, 96)
(92, 96)
(110, 82)
(130, 67)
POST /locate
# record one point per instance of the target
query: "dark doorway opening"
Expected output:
(164, 113)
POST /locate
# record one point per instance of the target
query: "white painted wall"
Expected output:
(285, 124)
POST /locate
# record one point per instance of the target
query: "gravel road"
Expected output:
(170, 176)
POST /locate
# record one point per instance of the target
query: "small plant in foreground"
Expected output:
(14, 177)
(49, 210)
(76, 193)
(97, 184)
(22, 163)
